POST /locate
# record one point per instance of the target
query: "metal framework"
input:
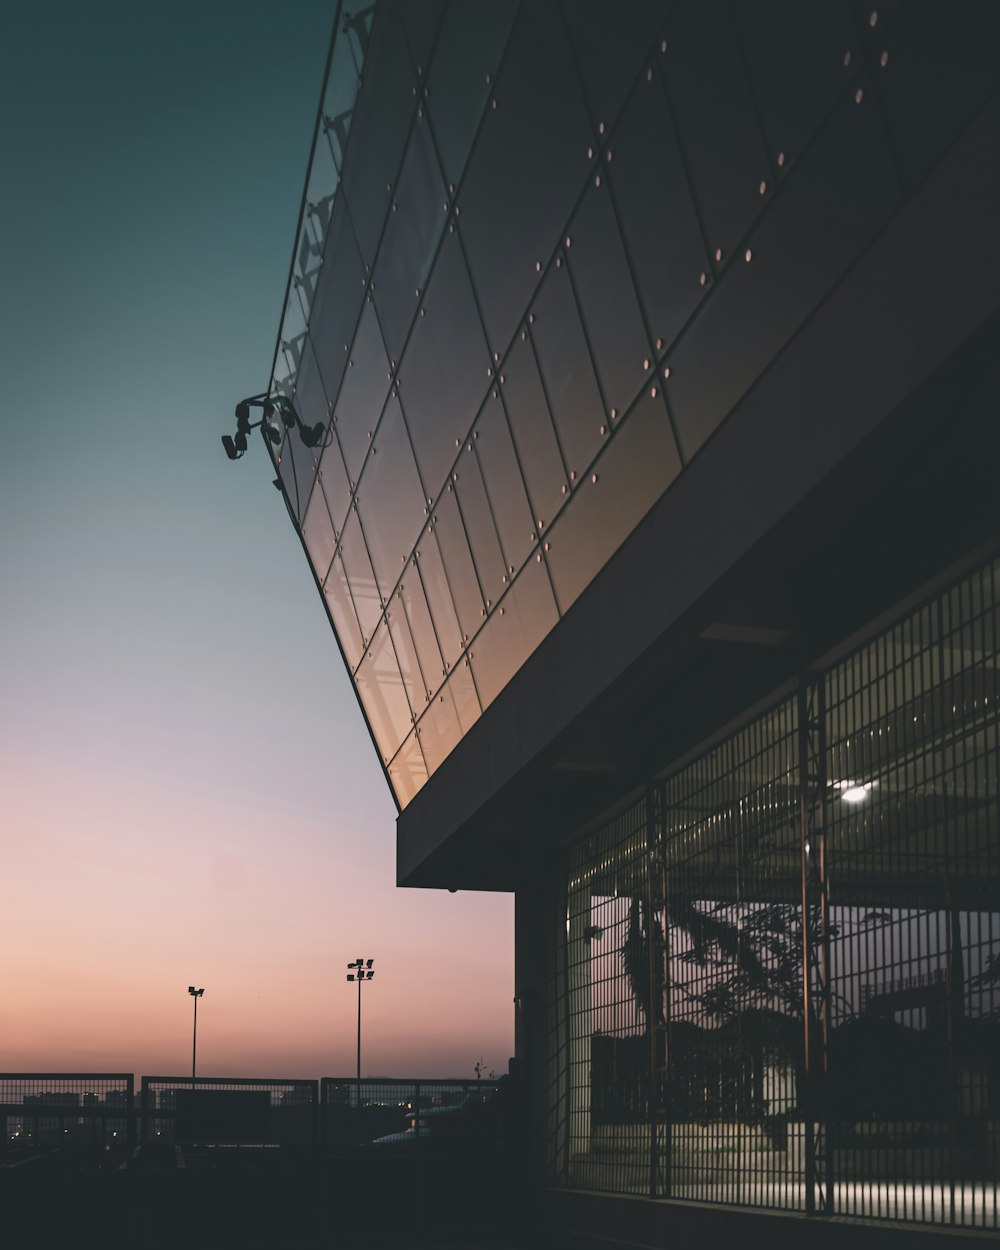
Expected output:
(780, 965)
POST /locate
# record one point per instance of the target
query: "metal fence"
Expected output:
(229, 1111)
(102, 1110)
(778, 981)
(66, 1109)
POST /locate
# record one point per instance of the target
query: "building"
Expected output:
(636, 401)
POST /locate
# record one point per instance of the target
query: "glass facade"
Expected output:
(776, 978)
(545, 251)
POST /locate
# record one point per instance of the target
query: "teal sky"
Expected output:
(188, 790)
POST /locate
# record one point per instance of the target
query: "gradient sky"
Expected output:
(188, 790)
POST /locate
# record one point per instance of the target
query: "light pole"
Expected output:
(362, 972)
(195, 994)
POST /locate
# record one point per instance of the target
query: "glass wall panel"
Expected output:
(334, 483)
(610, 49)
(716, 118)
(338, 301)
(357, 566)
(439, 729)
(513, 631)
(408, 772)
(454, 547)
(340, 605)
(434, 579)
(410, 598)
(651, 189)
(309, 399)
(529, 161)
(342, 83)
(635, 468)
(446, 369)
(534, 435)
(465, 695)
(606, 294)
(845, 190)
(416, 219)
(504, 485)
(796, 55)
(318, 535)
(567, 372)
(363, 393)
(417, 694)
(957, 55)
(383, 110)
(469, 47)
(381, 689)
(420, 19)
(479, 527)
(390, 500)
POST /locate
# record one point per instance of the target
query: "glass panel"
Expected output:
(381, 121)
(390, 500)
(504, 485)
(416, 219)
(479, 526)
(567, 372)
(637, 465)
(526, 170)
(363, 393)
(420, 20)
(533, 432)
(658, 215)
(610, 49)
(439, 728)
(463, 691)
(513, 631)
(937, 74)
(309, 399)
(342, 614)
(715, 116)
(796, 54)
(358, 568)
(410, 597)
(381, 689)
(468, 51)
(333, 480)
(841, 191)
(318, 535)
(434, 580)
(282, 381)
(408, 772)
(468, 602)
(606, 294)
(417, 694)
(342, 83)
(338, 301)
(446, 369)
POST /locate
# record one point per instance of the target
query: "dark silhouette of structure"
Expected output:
(652, 351)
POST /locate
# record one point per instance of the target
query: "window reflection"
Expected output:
(637, 465)
(513, 630)
(380, 686)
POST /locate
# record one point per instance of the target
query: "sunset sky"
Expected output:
(188, 790)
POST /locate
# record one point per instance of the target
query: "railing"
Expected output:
(68, 1111)
(40, 1110)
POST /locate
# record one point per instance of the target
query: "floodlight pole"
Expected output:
(362, 971)
(195, 994)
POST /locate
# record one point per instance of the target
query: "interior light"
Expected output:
(855, 791)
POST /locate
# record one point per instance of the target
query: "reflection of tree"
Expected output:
(735, 993)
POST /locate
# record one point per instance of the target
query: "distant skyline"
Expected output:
(188, 790)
